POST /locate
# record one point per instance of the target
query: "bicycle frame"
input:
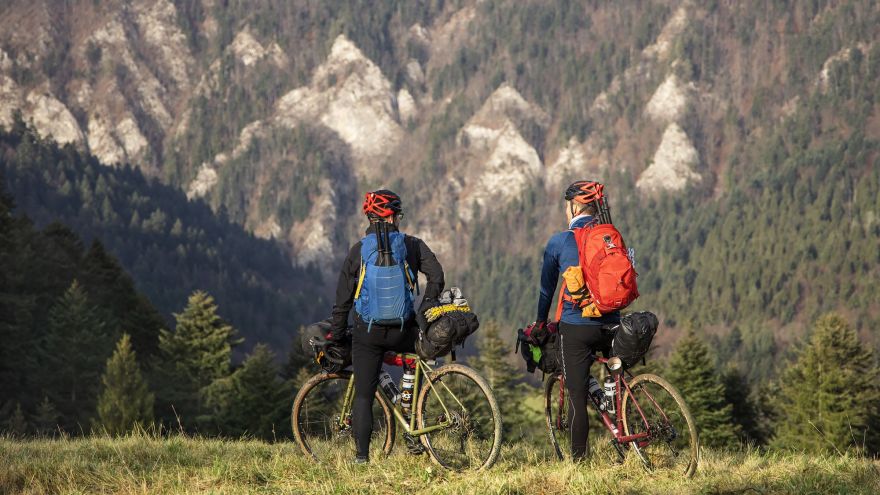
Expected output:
(615, 426)
(409, 426)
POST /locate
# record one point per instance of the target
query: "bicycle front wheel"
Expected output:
(556, 414)
(472, 437)
(653, 406)
(324, 431)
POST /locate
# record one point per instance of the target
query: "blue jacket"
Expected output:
(561, 252)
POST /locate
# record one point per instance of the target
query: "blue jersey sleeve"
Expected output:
(549, 277)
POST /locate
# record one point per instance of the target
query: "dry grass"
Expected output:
(144, 464)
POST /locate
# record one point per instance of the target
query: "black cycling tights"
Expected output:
(579, 343)
(367, 351)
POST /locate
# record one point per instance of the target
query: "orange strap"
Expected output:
(563, 297)
(561, 300)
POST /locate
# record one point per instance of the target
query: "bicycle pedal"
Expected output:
(413, 445)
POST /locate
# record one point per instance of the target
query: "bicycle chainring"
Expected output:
(341, 428)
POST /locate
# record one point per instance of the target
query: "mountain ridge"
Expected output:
(689, 108)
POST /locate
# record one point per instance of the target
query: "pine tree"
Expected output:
(108, 215)
(16, 424)
(62, 251)
(254, 400)
(46, 417)
(177, 228)
(829, 396)
(504, 378)
(691, 371)
(297, 361)
(111, 288)
(125, 400)
(745, 410)
(16, 305)
(191, 358)
(75, 349)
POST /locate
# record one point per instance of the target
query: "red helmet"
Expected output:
(382, 203)
(584, 191)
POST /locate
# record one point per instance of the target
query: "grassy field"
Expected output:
(144, 464)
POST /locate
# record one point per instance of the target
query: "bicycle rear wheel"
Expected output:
(656, 407)
(320, 428)
(473, 440)
(556, 413)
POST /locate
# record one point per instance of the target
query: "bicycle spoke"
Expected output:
(654, 408)
(322, 431)
(472, 435)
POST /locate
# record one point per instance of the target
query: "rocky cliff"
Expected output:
(281, 114)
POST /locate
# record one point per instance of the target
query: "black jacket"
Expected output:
(420, 259)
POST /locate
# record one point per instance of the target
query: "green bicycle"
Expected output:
(456, 417)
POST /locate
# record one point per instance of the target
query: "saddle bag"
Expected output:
(634, 336)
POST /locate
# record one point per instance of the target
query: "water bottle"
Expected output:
(389, 386)
(597, 394)
(609, 394)
(407, 384)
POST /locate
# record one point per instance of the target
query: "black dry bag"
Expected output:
(634, 337)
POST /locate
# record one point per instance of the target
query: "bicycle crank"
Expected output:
(620, 448)
(413, 445)
(342, 427)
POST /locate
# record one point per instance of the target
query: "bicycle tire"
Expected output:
(648, 402)
(551, 415)
(313, 384)
(465, 426)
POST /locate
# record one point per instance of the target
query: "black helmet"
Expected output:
(382, 203)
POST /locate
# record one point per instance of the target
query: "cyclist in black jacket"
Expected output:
(370, 340)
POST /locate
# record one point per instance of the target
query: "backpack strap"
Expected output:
(357, 292)
(413, 287)
(561, 300)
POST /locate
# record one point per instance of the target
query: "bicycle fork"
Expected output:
(559, 425)
(343, 420)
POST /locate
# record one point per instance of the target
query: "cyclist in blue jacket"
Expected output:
(580, 337)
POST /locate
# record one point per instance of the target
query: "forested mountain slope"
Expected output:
(738, 139)
(171, 246)
(62, 306)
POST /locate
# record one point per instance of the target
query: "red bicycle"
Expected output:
(646, 413)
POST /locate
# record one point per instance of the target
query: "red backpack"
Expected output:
(607, 267)
(606, 270)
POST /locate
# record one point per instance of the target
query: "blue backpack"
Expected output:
(384, 294)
